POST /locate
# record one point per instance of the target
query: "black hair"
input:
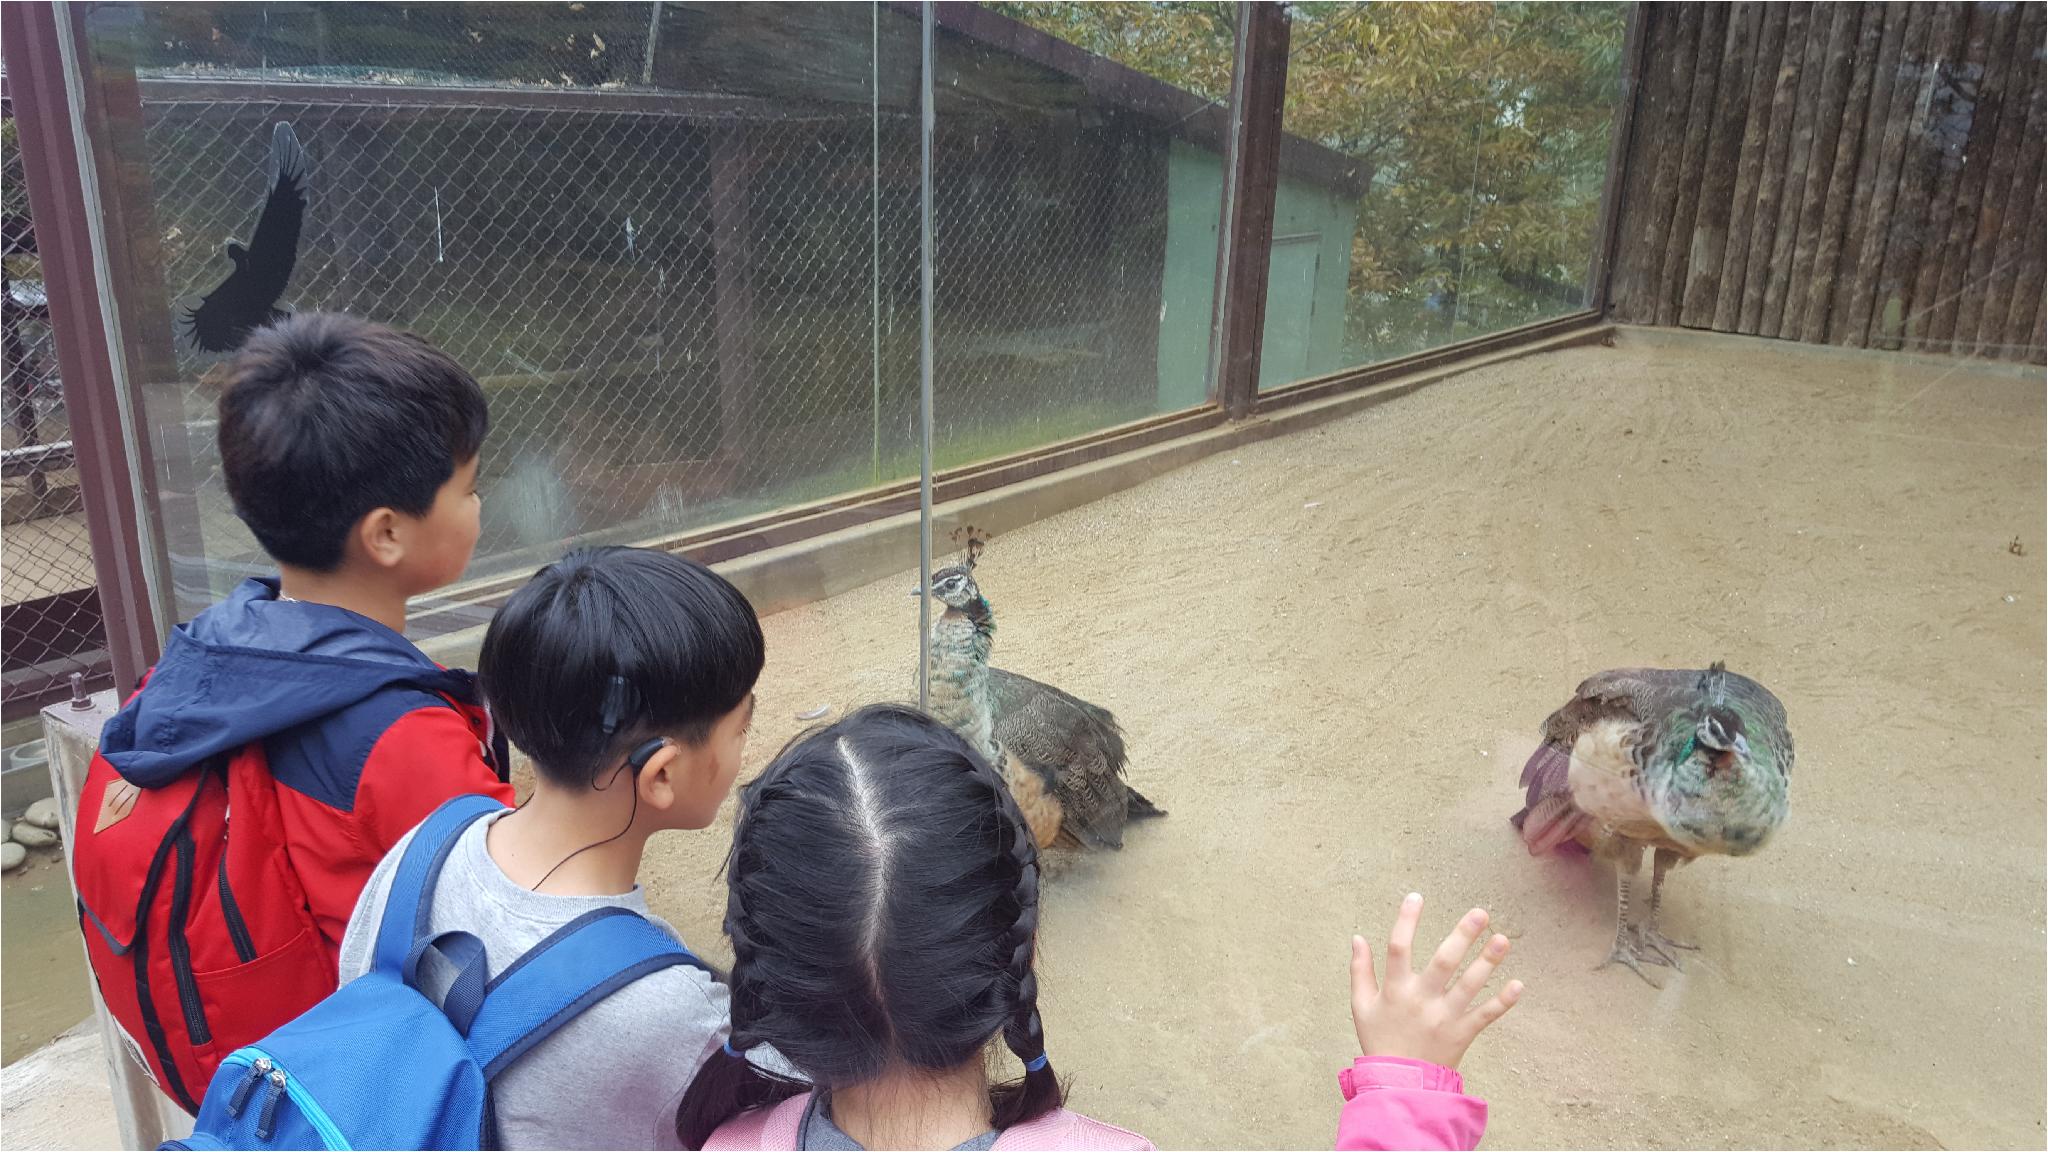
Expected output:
(882, 900)
(327, 418)
(609, 646)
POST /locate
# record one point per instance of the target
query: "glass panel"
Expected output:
(1078, 185)
(676, 243)
(1478, 135)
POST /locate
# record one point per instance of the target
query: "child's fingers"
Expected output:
(1401, 941)
(1479, 971)
(1484, 1015)
(1364, 984)
(1453, 949)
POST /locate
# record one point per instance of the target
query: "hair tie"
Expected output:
(1036, 1065)
(729, 1049)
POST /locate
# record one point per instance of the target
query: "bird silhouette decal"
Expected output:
(248, 298)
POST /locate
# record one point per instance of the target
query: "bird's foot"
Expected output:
(1661, 949)
(1626, 952)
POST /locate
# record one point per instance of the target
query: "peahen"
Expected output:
(1063, 757)
(1687, 763)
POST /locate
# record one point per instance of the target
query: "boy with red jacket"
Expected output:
(290, 735)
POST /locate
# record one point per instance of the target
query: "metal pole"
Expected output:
(924, 360)
(653, 38)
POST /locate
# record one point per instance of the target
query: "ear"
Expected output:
(382, 535)
(663, 781)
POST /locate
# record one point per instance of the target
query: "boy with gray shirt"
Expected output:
(627, 675)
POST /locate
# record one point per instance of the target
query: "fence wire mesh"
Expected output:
(685, 306)
(51, 606)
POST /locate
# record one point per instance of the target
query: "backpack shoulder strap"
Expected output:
(579, 964)
(412, 883)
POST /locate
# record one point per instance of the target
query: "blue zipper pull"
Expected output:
(266, 1121)
(240, 1099)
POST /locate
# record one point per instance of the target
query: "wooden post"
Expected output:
(1766, 77)
(1637, 302)
(2004, 46)
(1709, 236)
(1783, 119)
(1877, 55)
(2013, 224)
(1948, 137)
(1807, 308)
(1706, 75)
(111, 447)
(2023, 80)
(2030, 277)
(1824, 83)
(1257, 98)
(1621, 174)
(144, 1116)
(1851, 325)
(1919, 172)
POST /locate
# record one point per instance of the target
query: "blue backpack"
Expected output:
(380, 1065)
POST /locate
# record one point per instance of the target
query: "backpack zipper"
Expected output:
(181, 949)
(240, 1100)
(281, 1085)
(266, 1121)
(238, 929)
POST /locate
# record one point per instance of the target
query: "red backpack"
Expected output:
(215, 931)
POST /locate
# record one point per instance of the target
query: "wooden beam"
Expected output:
(1621, 147)
(1253, 180)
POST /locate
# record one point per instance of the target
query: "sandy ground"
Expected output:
(1332, 651)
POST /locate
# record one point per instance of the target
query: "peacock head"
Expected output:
(1718, 740)
(955, 588)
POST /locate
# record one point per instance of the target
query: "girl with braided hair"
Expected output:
(882, 900)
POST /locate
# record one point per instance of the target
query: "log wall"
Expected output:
(1863, 174)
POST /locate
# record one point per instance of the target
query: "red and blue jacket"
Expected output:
(237, 806)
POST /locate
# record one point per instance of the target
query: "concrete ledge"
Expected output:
(824, 566)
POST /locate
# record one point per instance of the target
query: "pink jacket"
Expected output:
(1391, 1102)
(1056, 1131)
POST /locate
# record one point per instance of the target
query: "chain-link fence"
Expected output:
(51, 607)
(686, 306)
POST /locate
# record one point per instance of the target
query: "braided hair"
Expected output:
(882, 901)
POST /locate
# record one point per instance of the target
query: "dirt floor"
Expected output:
(1332, 650)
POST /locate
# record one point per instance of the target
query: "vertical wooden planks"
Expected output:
(1825, 175)
(1797, 66)
(1743, 211)
(1919, 173)
(1805, 115)
(1714, 31)
(1723, 164)
(1856, 173)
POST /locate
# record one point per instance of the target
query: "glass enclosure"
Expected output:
(1477, 136)
(679, 244)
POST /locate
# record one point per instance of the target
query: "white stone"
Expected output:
(43, 813)
(12, 856)
(29, 836)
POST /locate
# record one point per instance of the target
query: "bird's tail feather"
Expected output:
(1549, 819)
(1141, 808)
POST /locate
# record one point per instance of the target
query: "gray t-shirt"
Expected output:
(612, 1077)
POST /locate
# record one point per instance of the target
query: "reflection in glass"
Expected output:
(1481, 135)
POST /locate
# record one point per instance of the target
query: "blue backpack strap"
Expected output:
(579, 964)
(411, 896)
